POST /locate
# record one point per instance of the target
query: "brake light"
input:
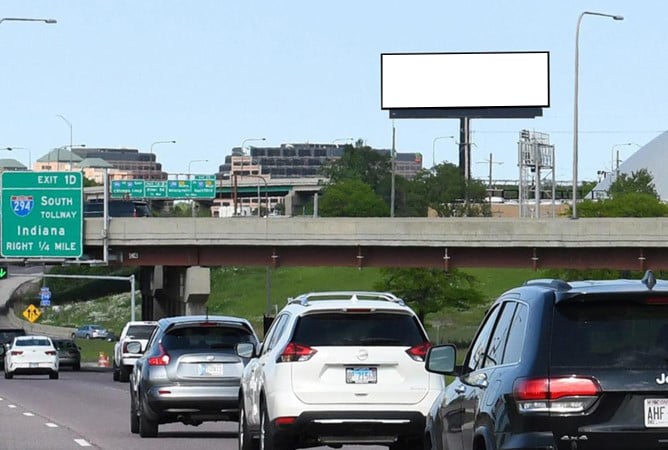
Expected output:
(296, 353)
(558, 395)
(16, 352)
(657, 300)
(161, 360)
(50, 352)
(419, 352)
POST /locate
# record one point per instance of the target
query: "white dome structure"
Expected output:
(653, 156)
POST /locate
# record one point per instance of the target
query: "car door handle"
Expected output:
(460, 389)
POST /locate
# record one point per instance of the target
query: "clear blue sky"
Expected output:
(209, 74)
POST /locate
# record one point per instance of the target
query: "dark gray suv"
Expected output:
(190, 372)
(562, 366)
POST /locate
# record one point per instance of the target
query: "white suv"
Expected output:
(339, 368)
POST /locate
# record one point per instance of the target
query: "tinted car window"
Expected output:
(497, 344)
(29, 342)
(140, 331)
(346, 329)
(204, 338)
(514, 346)
(65, 345)
(479, 347)
(610, 335)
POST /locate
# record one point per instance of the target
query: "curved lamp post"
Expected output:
(153, 154)
(192, 201)
(433, 148)
(22, 148)
(243, 143)
(24, 19)
(575, 103)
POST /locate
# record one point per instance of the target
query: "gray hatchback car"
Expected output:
(190, 372)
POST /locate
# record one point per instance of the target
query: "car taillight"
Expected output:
(419, 352)
(161, 360)
(16, 352)
(296, 353)
(555, 395)
(50, 352)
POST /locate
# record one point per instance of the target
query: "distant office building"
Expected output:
(301, 160)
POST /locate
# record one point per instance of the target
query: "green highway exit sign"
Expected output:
(42, 214)
(199, 187)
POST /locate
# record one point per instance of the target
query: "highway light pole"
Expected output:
(153, 154)
(22, 148)
(235, 188)
(192, 201)
(69, 124)
(575, 104)
(614, 162)
(433, 148)
(24, 19)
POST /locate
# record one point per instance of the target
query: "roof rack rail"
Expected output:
(353, 296)
(554, 283)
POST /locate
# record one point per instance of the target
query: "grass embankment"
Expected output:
(245, 292)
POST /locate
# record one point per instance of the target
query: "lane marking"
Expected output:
(51, 425)
(29, 414)
(82, 442)
(11, 406)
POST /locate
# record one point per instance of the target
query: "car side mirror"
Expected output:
(134, 347)
(2, 350)
(441, 359)
(245, 349)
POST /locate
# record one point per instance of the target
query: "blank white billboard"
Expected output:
(465, 80)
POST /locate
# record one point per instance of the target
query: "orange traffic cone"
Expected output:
(103, 360)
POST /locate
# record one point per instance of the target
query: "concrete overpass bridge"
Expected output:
(175, 253)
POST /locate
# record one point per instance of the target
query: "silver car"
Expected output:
(190, 372)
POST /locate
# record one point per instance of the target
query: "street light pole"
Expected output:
(192, 201)
(243, 143)
(153, 154)
(433, 148)
(23, 19)
(614, 162)
(70, 125)
(575, 103)
(22, 148)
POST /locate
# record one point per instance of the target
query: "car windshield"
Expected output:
(205, 338)
(610, 335)
(352, 329)
(96, 327)
(140, 331)
(31, 342)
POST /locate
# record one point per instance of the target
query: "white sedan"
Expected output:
(31, 355)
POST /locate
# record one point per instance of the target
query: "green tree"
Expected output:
(351, 198)
(445, 190)
(640, 182)
(630, 196)
(430, 290)
(359, 162)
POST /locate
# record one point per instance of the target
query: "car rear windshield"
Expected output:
(30, 342)
(68, 345)
(610, 335)
(205, 338)
(8, 335)
(353, 329)
(140, 331)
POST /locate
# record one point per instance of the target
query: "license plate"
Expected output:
(210, 370)
(361, 375)
(656, 412)
(31, 365)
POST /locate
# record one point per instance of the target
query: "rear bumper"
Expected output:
(207, 403)
(352, 427)
(623, 440)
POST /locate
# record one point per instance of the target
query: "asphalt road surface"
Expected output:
(88, 409)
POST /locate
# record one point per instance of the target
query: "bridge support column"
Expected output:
(145, 282)
(197, 289)
(179, 291)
